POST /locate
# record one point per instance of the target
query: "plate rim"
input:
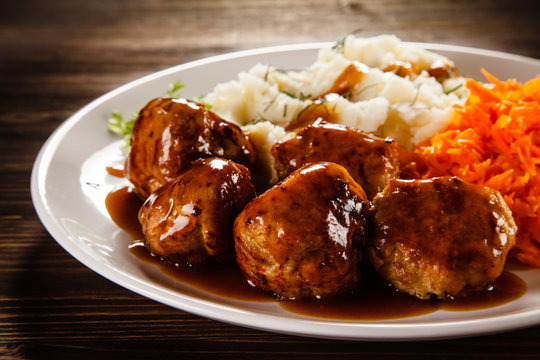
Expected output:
(325, 328)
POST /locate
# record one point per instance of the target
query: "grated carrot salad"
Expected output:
(494, 141)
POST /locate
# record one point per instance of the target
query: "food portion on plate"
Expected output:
(345, 159)
(191, 218)
(438, 236)
(302, 237)
(370, 160)
(170, 134)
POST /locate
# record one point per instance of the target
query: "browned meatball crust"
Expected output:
(170, 133)
(191, 218)
(438, 236)
(370, 160)
(299, 238)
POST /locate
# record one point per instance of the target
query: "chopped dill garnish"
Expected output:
(174, 89)
(317, 103)
(121, 126)
(304, 110)
(200, 100)
(258, 120)
(416, 96)
(284, 71)
(366, 88)
(270, 103)
(447, 92)
(291, 95)
(339, 45)
(347, 94)
(303, 96)
(443, 77)
(447, 75)
(285, 110)
(300, 97)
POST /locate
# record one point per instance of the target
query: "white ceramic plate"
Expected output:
(69, 184)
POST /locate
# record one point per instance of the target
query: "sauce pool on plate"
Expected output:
(372, 299)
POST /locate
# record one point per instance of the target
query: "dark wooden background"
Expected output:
(58, 55)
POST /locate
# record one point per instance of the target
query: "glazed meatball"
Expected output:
(170, 133)
(190, 220)
(439, 236)
(370, 160)
(299, 239)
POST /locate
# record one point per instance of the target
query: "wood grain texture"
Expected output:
(58, 55)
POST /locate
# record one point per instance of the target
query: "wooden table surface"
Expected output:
(58, 55)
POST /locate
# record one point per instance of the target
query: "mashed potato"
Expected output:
(399, 95)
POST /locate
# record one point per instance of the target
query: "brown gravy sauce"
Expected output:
(123, 206)
(223, 280)
(372, 299)
(346, 81)
(402, 69)
(320, 110)
(115, 172)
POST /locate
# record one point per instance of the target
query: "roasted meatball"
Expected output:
(299, 239)
(439, 236)
(170, 133)
(190, 220)
(370, 160)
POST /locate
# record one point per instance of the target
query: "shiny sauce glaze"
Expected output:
(320, 110)
(372, 299)
(347, 81)
(402, 69)
(115, 172)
